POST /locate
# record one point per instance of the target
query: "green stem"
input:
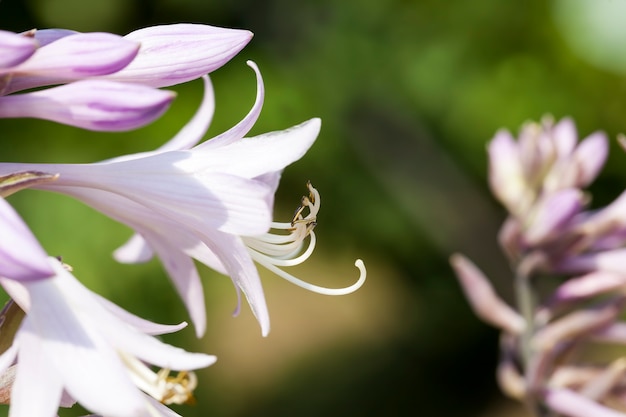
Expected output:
(526, 304)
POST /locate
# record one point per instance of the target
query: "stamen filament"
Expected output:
(264, 259)
(316, 288)
(160, 386)
(280, 250)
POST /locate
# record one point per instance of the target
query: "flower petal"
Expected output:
(243, 127)
(482, 298)
(46, 36)
(21, 256)
(135, 250)
(552, 212)
(565, 137)
(588, 286)
(196, 128)
(90, 369)
(236, 259)
(282, 147)
(589, 157)
(506, 176)
(184, 274)
(174, 54)
(81, 55)
(91, 104)
(572, 404)
(142, 325)
(46, 387)
(15, 49)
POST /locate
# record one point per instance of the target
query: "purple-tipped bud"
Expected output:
(15, 49)
(21, 256)
(608, 261)
(46, 36)
(577, 324)
(564, 136)
(588, 286)
(552, 213)
(81, 55)
(589, 158)
(91, 104)
(174, 54)
(569, 403)
(483, 299)
(506, 176)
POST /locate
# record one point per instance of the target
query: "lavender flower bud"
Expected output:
(46, 36)
(551, 213)
(15, 49)
(81, 55)
(483, 299)
(173, 54)
(91, 104)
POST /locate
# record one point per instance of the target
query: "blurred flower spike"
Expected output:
(551, 234)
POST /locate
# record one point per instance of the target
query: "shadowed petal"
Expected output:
(588, 286)
(552, 213)
(15, 49)
(573, 404)
(482, 298)
(589, 158)
(21, 256)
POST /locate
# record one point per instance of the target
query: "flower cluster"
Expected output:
(188, 200)
(552, 239)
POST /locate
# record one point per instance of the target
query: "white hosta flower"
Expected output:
(73, 340)
(199, 202)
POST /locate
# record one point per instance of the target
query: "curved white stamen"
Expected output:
(316, 288)
(161, 386)
(264, 259)
(280, 250)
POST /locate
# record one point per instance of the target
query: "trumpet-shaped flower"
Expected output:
(199, 202)
(73, 340)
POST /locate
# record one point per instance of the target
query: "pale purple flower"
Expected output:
(544, 160)
(572, 404)
(109, 67)
(73, 340)
(483, 299)
(91, 104)
(549, 231)
(212, 202)
(76, 57)
(157, 56)
(174, 54)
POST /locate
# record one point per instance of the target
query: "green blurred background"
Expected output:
(409, 93)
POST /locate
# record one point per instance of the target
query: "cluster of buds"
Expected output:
(569, 274)
(190, 199)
